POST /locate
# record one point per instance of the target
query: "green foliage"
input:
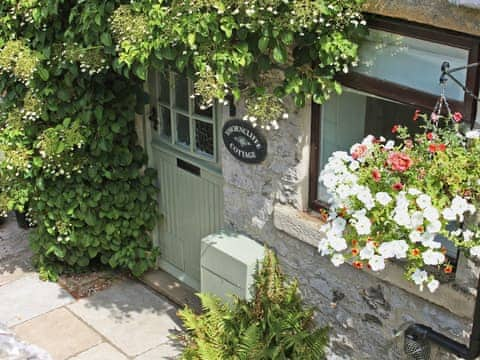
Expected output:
(71, 154)
(260, 50)
(272, 325)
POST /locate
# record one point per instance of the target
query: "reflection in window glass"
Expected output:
(201, 109)
(183, 130)
(181, 93)
(166, 127)
(204, 137)
(164, 90)
(410, 62)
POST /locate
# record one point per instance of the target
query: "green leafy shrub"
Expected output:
(272, 325)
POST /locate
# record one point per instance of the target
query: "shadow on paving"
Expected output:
(15, 254)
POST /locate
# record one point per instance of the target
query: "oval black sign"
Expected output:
(244, 141)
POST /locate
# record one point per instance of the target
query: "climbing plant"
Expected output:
(71, 80)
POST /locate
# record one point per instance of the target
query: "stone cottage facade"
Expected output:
(269, 202)
(272, 202)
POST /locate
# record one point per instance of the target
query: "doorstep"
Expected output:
(172, 288)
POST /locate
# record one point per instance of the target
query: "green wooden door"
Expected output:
(183, 140)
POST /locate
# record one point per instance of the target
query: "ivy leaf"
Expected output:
(43, 73)
(263, 44)
(280, 55)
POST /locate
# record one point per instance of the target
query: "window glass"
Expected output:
(204, 139)
(166, 124)
(164, 90)
(410, 62)
(181, 93)
(183, 130)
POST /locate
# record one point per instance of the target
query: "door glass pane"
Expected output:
(201, 109)
(410, 62)
(166, 124)
(164, 90)
(204, 141)
(183, 130)
(181, 93)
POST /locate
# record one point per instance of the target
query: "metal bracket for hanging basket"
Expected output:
(447, 73)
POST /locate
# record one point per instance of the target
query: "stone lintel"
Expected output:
(438, 13)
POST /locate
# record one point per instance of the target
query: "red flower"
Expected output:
(430, 136)
(359, 151)
(448, 269)
(395, 128)
(433, 148)
(376, 175)
(399, 161)
(457, 117)
(416, 115)
(397, 186)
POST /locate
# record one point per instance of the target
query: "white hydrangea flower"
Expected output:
(337, 259)
(376, 263)
(431, 257)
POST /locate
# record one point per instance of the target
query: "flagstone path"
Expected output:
(40, 320)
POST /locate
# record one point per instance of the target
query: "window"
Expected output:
(398, 73)
(181, 121)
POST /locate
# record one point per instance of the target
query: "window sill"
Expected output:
(305, 227)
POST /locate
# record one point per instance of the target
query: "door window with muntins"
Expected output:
(182, 121)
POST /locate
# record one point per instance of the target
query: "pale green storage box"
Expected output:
(228, 261)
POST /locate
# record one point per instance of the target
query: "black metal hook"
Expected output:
(447, 73)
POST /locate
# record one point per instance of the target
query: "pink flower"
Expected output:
(359, 151)
(399, 161)
(376, 175)
(397, 186)
(430, 136)
(457, 117)
(434, 117)
(395, 128)
(416, 115)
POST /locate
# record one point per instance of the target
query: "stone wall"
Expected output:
(362, 310)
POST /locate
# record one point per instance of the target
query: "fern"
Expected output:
(273, 325)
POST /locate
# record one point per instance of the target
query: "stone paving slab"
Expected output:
(59, 332)
(130, 316)
(103, 351)
(11, 348)
(168, 351)
(28, 297)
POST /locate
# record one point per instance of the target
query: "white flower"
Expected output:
(338, 226)
(394, 249)
(354, 165)
(414, 192)
(431, 257)
(369, 139)
(383, 198)
(434, 226)
(473, 134)
(449, 214)
(389, 145)
(417, 219)
(337, 259)
(361, 223)
(376, 263)
(433, 285)
(419, 277)
(415, 236)
(475, 251)
(468, 235)
(431, 214)
(323, 247)
(337, 243)
(365, 196)
(424, 201)
(367, 252)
